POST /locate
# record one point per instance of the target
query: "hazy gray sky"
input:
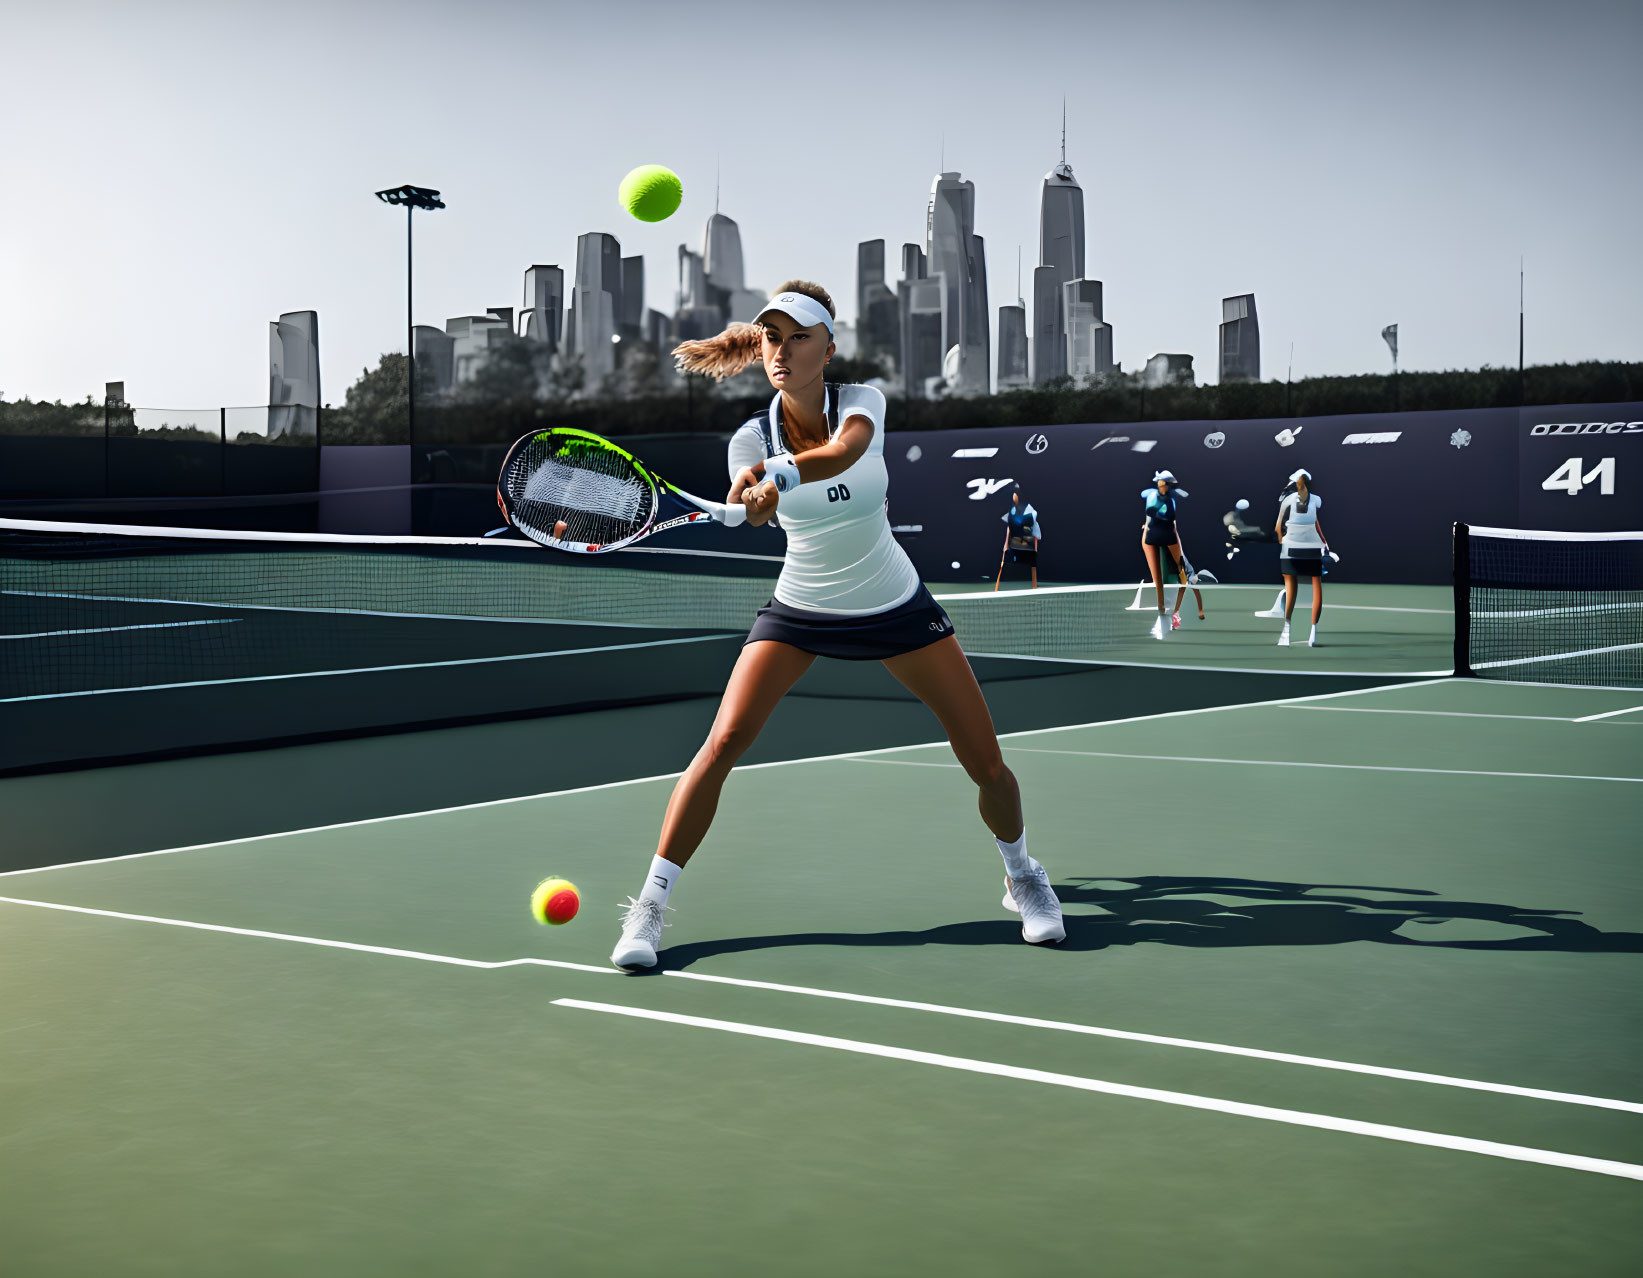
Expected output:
(177, 174)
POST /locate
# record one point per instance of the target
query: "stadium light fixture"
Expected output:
(413, 198)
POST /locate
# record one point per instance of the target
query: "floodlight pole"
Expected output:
(413, 198)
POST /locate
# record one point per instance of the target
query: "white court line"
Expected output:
(488, 619)
(1349, 767)
(670, 776)
(309, 940)
(1447, 714)
(1556, 656)
(1608, 714)
(1029, 1022)
(1241, 1109)
(410, 665)
(1422, 675)
(1131, 1036)
(108, 630)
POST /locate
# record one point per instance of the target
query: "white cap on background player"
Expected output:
(1300, 475)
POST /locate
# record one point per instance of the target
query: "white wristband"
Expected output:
(783, 471)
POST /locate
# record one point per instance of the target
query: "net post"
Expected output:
(1463, 601)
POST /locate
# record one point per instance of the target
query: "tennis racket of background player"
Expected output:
(573, 490)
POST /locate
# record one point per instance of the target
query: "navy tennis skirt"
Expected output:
(1294, 562)
(918, 623)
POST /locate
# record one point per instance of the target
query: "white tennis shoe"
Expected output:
(1283, 639)
(1158, 631)
(1312, 642)
(1032, 897)
(642, 926)
(1277, 609)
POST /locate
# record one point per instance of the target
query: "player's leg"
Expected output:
(1151, 552)
(764, 672)
(1289, 607)
(1317, 608)
(939, 675)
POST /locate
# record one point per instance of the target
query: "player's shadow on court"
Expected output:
(1211, 913)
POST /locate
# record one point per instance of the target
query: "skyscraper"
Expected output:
(541, 316)
(956, 254)
(595, 298)
(1060, 259)
(1089, 336)
(919, 301)
(1240, 339)
(1012, 347)
(878, 314)
(293, 374)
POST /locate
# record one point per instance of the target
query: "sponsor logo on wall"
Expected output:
(1373, 437)
(1143, 445)
(975, 452)
(914, 453)
(1215, 439)
(1037, 444)
(981, 489)
(1587, 428)
(1110, 439)
(1286, 437)
(1460, 438)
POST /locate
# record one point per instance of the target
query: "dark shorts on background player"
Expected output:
(1162, 537)
(1023, 552)
(1292, 564)
(918, 623)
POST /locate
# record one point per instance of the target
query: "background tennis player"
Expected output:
(846, 590)
(1161, 543)
(1303, 544)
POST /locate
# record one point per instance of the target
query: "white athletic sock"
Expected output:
(659, 882)
(1016, 861)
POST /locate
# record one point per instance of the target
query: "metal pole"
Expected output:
(410, 336)
(222, 450)
(1520, 331)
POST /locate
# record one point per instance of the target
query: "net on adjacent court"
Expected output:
(1549, 607)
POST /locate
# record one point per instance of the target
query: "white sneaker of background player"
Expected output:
(1277, 609)
(1158, 631)
(641, 933)
(1032, 897)
(1313, 641)
(1283, 639)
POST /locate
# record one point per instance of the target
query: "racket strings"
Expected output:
(591, 495)
(588, 492)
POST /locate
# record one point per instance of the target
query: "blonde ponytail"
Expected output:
(733, 350)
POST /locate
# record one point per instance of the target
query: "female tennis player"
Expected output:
(1303, 544)
(1161, 544)
(815, 459)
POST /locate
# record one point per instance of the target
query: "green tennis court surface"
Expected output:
(1350, 987)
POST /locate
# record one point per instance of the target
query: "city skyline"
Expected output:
(1373, 177)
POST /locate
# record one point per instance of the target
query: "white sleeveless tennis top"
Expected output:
(841, 555)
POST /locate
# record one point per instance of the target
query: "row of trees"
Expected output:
(518, 390)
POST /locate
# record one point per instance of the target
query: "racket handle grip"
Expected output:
(730, 516)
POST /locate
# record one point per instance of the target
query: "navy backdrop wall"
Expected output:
(1393, 486)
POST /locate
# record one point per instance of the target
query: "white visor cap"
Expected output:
(1300, 475)
(1165, 474)
(807, 310)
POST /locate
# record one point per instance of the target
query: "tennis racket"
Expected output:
(571, 490)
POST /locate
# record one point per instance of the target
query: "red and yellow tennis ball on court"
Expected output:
(555, 901)
(651, 192)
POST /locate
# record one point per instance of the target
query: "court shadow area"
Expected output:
(1210, 912)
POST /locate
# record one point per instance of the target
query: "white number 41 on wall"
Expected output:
(1567, 478)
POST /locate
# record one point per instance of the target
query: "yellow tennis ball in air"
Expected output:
(651, 192)
(555, 901)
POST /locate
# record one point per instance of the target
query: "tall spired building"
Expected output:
(1060, 260)
(955, 254)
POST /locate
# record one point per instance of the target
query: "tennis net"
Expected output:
(1549, 607)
